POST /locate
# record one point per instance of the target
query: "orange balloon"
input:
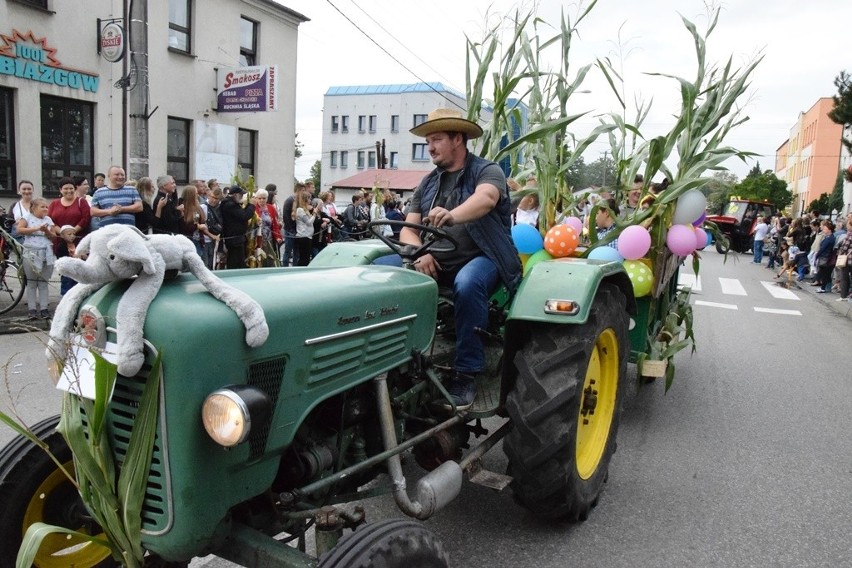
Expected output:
(561, 240)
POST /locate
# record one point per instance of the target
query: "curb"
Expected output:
(828, 299)
(17, 320)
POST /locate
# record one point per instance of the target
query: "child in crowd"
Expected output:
(37, 229)
(66, 247)
(605, 220)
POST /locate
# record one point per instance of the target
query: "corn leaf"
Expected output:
(35, 535)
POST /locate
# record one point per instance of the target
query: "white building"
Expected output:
(62, 109)
(355, 118)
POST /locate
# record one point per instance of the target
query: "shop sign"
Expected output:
(248, 89)
(112, 42)
(25, 56)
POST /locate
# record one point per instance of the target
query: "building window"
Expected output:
(362, 122)
(360, 160)
(344, 123)
(394, 123)
(419, 119)
(419, 153)
(248, 42)
(373, 122)
(37, 3)
(177, 149)
(371, 160)
(333, 159)
(179, 25)
(247, 152)
(344, 159)
(67, 140)
(394, 160)
(335, 123)
(7, 144)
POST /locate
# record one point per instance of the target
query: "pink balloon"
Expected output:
(574, 223)
(700, 238)
(681, 239)
(634, 242)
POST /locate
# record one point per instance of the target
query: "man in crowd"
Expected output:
(468, 197)
(167, 211)
(289, 224)
(235, 220)
(116, 202)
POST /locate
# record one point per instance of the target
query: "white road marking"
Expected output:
(782, 312)
(732, 287)
(689, 281)
(779, 292)
(716, 305)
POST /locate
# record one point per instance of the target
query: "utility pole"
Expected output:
(603, 167)
(381, 161)
(136, 91)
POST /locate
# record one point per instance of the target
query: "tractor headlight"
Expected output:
(229, 413)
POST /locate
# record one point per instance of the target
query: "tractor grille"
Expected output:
(267, 376)
(337, 355)
(123, 410)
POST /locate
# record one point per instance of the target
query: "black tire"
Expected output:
(31, 490)
(13, 281)
(392, 543)
(721, 248)
(554, 476)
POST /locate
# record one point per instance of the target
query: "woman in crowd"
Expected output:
(145, 219)
(843, 272)
(192, 221)
(304, 215)
(81, 187)
(269, 238)
(330, 213)
(213, 246)
(20, 209)
(70, 209)
(823, 258)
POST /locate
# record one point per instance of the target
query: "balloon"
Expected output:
(561, 240)
(574, 223)
(534, 259)
(690, 206)
(700, 238)
(633, 242)
(524, 258)
(527, 238)
(640, 276)
(606, 253)
(700, 221)
(681, 239)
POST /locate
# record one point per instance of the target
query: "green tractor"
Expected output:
(348, 381)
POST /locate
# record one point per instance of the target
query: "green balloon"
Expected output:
(535, 258)
(640, 276)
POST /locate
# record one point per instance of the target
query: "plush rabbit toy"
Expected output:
(121, 252)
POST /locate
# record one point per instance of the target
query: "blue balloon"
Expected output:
(527, 239)
(606, 253)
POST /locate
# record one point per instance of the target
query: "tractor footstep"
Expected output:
(490, 479)
(487, 397)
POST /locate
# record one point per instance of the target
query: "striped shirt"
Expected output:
(105, 198)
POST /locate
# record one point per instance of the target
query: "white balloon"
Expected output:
(690, 206)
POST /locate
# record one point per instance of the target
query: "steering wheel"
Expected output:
(434, 240)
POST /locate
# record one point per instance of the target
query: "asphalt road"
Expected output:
(746, 461)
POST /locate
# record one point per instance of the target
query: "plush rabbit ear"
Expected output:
(131, 246)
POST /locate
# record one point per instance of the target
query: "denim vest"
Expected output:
(493, 231)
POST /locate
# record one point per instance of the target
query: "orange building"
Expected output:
(810, 158)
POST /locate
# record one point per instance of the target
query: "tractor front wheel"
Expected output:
(392, 543)
(34, 489)
(565, 409)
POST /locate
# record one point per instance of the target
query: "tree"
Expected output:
(820, 206)
(601, 172)
(316, 174)
(755, 172)
(297, 148)
(767, 187)
(842, 111)
(835, 201)
(719, 190)
(575, 177)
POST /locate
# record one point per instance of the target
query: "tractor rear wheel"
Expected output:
(565, 408)
(392, 543)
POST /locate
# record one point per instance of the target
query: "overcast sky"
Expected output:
(803, 42)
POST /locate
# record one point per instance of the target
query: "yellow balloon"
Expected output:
(524, 258)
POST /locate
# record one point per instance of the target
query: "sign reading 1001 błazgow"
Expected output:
(248, 89)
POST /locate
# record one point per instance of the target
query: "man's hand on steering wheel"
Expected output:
(434, 239)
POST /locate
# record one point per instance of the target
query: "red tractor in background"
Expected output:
(737, 223)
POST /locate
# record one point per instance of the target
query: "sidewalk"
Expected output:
(829, 299)
(16, 320)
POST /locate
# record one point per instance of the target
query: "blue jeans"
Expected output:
(289, 249)
(472, 287)
(757, 246)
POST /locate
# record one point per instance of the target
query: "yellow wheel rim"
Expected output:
(60, 550)
(597, 403)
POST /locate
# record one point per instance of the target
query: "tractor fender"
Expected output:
(574, 279)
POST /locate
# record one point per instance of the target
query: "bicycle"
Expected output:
(13, 281)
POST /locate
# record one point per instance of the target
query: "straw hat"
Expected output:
(446, 120)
